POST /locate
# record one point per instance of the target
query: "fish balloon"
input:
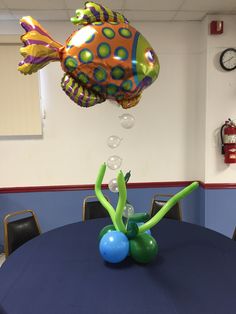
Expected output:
(106, 58)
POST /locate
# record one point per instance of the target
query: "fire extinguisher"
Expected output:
(228, 141)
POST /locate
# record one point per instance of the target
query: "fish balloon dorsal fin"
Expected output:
(95, 12)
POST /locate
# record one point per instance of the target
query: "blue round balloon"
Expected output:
(114, 246)
(148, 231)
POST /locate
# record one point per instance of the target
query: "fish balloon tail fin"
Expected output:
(39, 48)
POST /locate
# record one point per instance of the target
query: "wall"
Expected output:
(220, 100)
(220, 104)
(73, 145)
(175, 137)
(55, 209)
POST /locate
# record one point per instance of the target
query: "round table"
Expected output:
(61, 272)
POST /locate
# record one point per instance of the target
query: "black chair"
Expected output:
(234, 235)
(159, 200)
(93, 209)
(19, 231)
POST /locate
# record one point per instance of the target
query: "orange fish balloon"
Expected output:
(106, 58)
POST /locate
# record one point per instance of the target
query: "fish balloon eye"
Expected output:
(150, 55)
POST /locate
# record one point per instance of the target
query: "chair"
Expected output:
(2, 259)
(159, 200)
(234, 235)
(93, 209)
(19, 231)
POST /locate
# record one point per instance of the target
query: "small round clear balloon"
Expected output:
(114, 162)
(113, 186)
(113, 141)
(128, 210)
(127, 120)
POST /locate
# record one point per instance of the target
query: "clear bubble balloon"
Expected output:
(113, 141)
(127, 120)
(114, 162)
(113, 186)
(128, 210)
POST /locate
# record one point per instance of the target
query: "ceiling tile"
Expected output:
(47, 15)
(209, 5)
(149, 15)
(153, 4)
(189, 15)
(111, 4)
(40, 4)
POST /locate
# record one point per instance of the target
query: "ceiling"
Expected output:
(134, 10)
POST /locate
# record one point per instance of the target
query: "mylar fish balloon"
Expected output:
(106, 58)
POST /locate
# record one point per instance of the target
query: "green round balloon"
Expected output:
(143, 248)
(132, 230)
(106, 229)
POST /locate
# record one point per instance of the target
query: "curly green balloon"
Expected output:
(169, 204)
(116, 215)
(101, 197)
(121, 202)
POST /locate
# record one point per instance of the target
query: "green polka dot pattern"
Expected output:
(83, 77)
(100, 74)
(97, 23)
(108, 32)
(124, 32)
(90, 38)
(85, 56)
(113, 23)
(70, 64)
(112, 89)
(97, 88)
(127, 85)
(121, 53)
(103, 50)
(117, 73)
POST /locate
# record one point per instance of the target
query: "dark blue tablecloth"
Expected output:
(61, 272)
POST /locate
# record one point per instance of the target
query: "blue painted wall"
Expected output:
(220, 210)
(55, 209)
(214, 209)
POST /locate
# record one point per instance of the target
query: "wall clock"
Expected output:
(228, 59)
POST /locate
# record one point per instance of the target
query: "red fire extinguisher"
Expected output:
(228, 141)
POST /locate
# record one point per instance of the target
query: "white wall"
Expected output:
(220, 100)
(160, 147)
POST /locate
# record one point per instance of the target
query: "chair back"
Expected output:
(93, 209)
(234, 235)
(19, 231)
(159, 200)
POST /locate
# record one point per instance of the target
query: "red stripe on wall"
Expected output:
(137, 185)
(218, 186)
(59, 188)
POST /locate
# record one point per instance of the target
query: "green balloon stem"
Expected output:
(116, 216)
(121, 202)
(101, 197)
(169, 204)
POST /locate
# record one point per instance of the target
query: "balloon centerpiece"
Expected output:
(118, 240)
(106, 58)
